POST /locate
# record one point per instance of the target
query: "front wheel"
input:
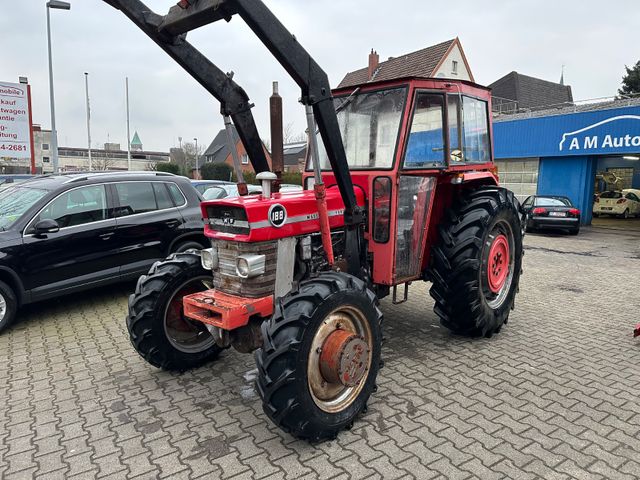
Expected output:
(477, 264)
(320, 357)
(8, 306)
(159, 331)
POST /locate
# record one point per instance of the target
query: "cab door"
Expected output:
(425, 150)
(80, 254)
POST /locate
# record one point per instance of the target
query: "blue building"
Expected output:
(566, 151)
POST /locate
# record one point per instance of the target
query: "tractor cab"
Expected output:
(405, 140)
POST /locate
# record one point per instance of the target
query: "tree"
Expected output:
(102, 162)
(215, 171)
(289, 135)
(631, 81)
(186, 159)
(168, 168)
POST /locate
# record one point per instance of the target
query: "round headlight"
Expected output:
(242, 267)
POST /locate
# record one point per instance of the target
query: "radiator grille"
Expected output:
(227, 280)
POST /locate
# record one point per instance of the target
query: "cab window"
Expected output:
(426, 144)
(369, 125)
(77, 207)
(475, 128)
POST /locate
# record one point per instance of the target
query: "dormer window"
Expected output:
(454, 67)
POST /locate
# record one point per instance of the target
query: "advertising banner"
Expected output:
(15, 133)
(601, 132)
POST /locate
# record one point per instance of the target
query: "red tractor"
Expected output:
(400, 187)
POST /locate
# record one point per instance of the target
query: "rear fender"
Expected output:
(446, 193)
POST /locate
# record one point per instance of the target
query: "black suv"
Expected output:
(63, 233)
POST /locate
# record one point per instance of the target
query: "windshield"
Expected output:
(14, 201)
(369, 123)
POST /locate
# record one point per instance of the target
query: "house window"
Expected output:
(45, 146)
(245, 159)
(45, 159)
(454, 67)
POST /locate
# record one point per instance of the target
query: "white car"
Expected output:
(625, 203)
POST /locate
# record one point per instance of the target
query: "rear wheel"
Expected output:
(625, 214)
(321, 356)
(574, 231)
(159, 331)
(477, 264)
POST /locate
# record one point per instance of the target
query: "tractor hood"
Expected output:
(255, 219)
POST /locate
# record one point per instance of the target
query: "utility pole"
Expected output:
(126, 88)
(86, 88)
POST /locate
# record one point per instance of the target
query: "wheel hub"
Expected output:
(344, 358)
(498, 263)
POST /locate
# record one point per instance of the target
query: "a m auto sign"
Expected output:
(601, 132)
(15, 123)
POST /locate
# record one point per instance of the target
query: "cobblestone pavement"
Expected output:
(556, 395)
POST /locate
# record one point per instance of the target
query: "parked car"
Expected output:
(223, 191)
(63, 233)
(624, 204)
(203, 185)
(553, 212)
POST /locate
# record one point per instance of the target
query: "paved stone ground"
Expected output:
(556, 395)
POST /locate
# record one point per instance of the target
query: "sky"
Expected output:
(593, 39)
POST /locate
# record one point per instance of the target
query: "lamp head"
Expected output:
(58, 5)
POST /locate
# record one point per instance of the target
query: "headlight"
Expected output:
(209, 258)
(249, 266)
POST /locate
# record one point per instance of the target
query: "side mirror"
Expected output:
(46, 226)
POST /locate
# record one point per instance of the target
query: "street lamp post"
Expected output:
(58, 5)
(126, 90)
(197, 163)
(86, 86)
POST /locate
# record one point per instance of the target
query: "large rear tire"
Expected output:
(157, 327)
(477, 264)
(297, 394)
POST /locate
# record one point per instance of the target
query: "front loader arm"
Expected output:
(233, 99)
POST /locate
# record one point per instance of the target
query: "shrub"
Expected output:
(168, 168)
(215, 171)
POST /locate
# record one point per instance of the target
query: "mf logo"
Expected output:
(588, 138)
(277, 215)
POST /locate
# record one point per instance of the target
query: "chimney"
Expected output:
(374, 61)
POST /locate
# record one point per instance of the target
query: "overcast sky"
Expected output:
(594, 39)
